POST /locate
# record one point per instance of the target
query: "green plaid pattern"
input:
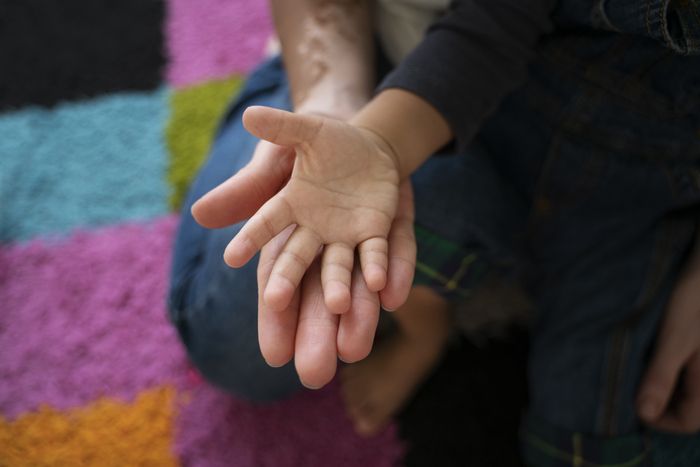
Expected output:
(451, 269)
(546, 446)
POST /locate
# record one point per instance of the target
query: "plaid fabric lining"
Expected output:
(449, 268)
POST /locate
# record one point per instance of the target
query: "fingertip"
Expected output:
(309, 385)
(195, 210)
(278, 294)
(398, 286)
(277, 360)
(238, 252)
(337, 297)
(391, 299)
(317, 376)
(353, 354)
(251, 112)
(199, 212)
(375, 277)
(273, 363)
(231, 257)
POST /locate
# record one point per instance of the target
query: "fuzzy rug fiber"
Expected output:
(107, 109)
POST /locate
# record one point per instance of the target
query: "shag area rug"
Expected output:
(107, 109)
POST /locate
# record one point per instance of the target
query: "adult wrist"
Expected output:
(333, 99)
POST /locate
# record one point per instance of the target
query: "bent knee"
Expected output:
(229, 357)
(249, 380)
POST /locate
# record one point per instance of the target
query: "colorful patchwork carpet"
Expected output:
(107, 109)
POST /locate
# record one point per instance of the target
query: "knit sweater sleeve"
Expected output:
(472, 57)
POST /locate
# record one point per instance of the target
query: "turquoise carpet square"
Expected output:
(86, 163)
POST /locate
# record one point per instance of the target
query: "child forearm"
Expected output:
(411, 126)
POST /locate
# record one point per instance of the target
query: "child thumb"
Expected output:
(281, 127)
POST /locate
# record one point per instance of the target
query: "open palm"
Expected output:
(342, 194)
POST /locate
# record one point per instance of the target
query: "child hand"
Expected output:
(342, 195)
(307, 331)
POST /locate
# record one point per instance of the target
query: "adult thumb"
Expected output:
(658, 385)
(281, 127)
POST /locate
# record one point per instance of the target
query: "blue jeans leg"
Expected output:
(214, 307)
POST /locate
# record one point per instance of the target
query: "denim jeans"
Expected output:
(585, 178)
(602, 141)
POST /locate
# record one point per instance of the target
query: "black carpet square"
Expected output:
(72, 49)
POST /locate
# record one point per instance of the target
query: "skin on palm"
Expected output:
(343, 193)
(238, 198)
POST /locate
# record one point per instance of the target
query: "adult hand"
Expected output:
(246, 191)
(306, 329)
(313, 335)
(669, 397)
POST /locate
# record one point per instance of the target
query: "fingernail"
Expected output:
(649, 409)
(273, 366)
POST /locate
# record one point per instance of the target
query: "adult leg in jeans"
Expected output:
(609, 239)
(213, 306)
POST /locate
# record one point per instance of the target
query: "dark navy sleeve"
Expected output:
(472, 57)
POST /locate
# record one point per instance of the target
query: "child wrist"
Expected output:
(385, 144)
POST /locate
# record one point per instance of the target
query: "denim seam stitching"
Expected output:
(617, 363)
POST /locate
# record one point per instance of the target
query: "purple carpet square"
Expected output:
(85, 317)
(213, 39)
(308, 430)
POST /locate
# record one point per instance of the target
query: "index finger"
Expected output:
(315, 352)
(276, 329)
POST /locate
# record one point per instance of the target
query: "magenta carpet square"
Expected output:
(85, 317)
(210, 39)
(311, 429)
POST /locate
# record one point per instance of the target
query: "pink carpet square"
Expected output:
(308, 430)
(210, 39)
(85, 317)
